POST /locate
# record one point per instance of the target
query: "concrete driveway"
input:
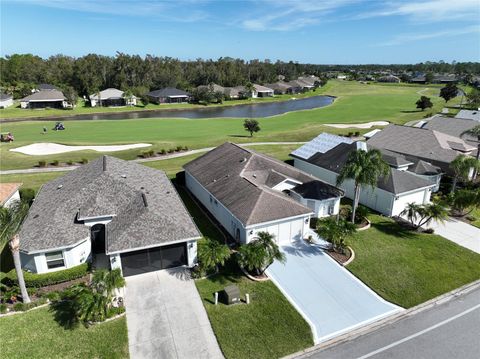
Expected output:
(166, 317)
(328, 296)
(462, 233)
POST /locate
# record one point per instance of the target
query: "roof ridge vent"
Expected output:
(144, 197)
(104, 163)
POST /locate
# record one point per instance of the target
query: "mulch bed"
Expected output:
(61, 286)
(340, 258)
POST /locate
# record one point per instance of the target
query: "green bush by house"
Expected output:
(44, 279)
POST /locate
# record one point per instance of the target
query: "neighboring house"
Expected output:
(262, 91)
(298, 86)
(418, 79)
(118, 214)
(453, 127)
(437, 148)
(169, 95)
(44, 99)
(325, 156)
(9, 193)
(444, 79)
(279, 87)
(341, 77)
(389, 79)
(235, 92)
(248, 192)
(213, 87)
(6, 100)
(469, 115)
(112, 97)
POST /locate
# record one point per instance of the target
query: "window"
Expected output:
(331, 208)
(55, 260)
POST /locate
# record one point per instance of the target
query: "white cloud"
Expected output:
(429, 11)
(404, 38)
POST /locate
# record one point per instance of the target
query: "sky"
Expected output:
(307, 31)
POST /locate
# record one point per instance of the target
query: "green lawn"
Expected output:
(36, 334)
(356, 103)
(269, 327)
(476, 213)
(409, 268)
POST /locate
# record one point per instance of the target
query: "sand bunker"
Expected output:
(43, 149)
(359, 125)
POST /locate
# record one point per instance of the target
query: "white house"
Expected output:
(44, 99)
(9, 193)
(112, 97)
(262, 91)
(324, 157)
(115, 213)
(248, 192)
(5, 100)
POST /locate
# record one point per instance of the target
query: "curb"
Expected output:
(387, 321)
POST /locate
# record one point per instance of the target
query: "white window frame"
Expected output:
(54, 260)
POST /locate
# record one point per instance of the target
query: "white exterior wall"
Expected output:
(291, 227)
(116, 262)
(376, 199)
(6, 103)
(23, 104)
(15, 197)
(77, 255)
(192, 253)
(320, 208)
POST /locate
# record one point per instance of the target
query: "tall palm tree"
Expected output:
(475, 131)
(11, 220)
(364, 168)
(212, 253)
(461, 167)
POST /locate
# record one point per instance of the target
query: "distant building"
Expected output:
(6, 100)
(262, 91)
(389, 78)
(46, 87)
(111, 97)
(469, 115)
(168, 95)
(279, 88)
(44, 99)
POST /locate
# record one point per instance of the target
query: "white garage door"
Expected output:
(284, 232)
(296, 228)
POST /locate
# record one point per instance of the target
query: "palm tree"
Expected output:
(250, 89)
(475, 131)
(335, 232)
(11, 220)
(364, 168)
(464, 201)
(212, 253)
(105, 282)
(420, 215)
(411, 212)
(461, 167)
(260, 253)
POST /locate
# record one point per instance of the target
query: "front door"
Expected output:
(98, 238)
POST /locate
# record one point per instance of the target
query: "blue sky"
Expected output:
(313, 31)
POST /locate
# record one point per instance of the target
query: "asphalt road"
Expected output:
(447, 331)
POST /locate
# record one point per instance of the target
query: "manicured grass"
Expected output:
(269, 327)
(409, 268)
(355, 103)
(476, 213)
(36, 334)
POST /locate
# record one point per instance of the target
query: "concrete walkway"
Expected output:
(463, 234)
(330, 298)
(140, 160)
(166, 318)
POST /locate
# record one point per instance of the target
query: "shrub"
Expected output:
(55, 163)
(113, 311)
(52, 296)
(42, 163)
(171, 150)
(357, 133)
(44, 279)
(3, 308)
(69, 162)
(429, 231)
(185, 148)
(151, 153)
(84, 161)
(350, 134)
(19, 307)
(145, 154)
(162, 151)
(178, 148)
(27, 194)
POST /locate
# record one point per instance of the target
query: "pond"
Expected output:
(256, 110)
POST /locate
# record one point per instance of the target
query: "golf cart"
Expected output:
(6, 137)
(59, 127)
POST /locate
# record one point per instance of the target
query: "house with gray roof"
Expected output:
(248, 192)
(262, 91)
(112, 97)
(325, 156)
(44, 99)
(469, 115)
(115, 213)
(168, 95)
(279, 87)
(6, 100)
(454, 127)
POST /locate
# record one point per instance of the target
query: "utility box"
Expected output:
(232, 294)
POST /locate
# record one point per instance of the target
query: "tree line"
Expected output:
(85, 75)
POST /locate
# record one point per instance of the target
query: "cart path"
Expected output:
(140, 160)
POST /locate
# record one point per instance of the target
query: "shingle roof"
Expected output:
(419, 142)
(46, 87)
(147, 210)
(42, 96)
(215, 87)
(424, 168)
(242, 180)
(322, 143)
(168, 92)
(469, 114)
(4, 96)
(317, 190)
(279, 86)
(451, 126)
(106, 94)
(396, 183)
(260, 88)
(7, 190)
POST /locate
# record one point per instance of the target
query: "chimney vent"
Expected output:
(144, 197)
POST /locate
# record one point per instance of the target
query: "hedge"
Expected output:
(44, 279)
